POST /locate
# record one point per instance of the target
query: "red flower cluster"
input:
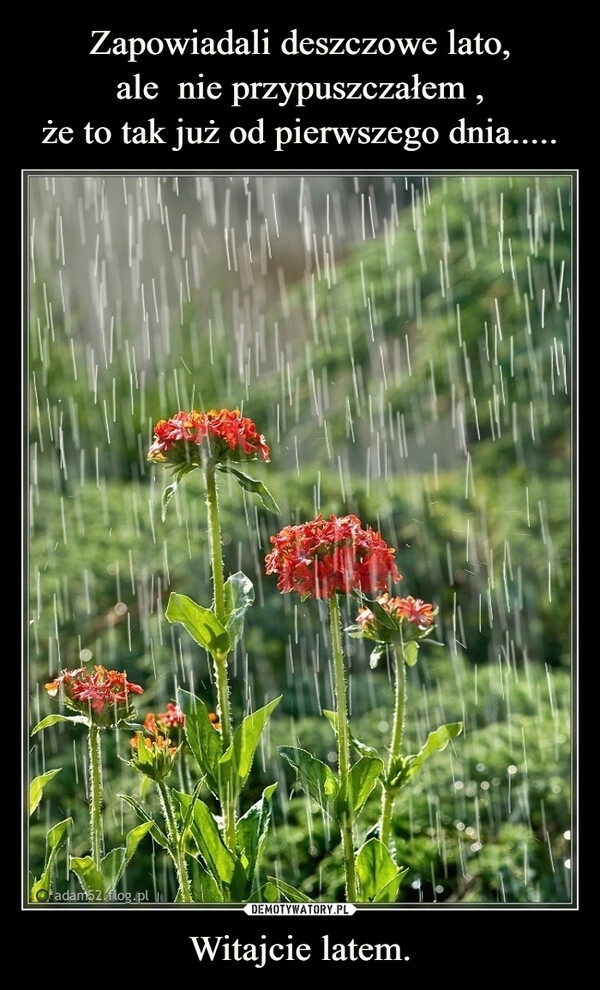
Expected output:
(394, 621)
(165, 729)
(173, 717)
(178, 440)
(414, 610)
(326, 556)
(103, 692)
(156, 743)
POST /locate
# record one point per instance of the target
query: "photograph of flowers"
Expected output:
(300, 534)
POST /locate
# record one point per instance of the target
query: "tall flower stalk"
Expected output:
(155, 750)
(343, 740)
(220, 656)
(102, 699)
(323, 559)
(212, 442)
(397, 626)
(387, 799)
(95, 771)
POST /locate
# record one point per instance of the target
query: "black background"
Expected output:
(536, 94)
(531, 93)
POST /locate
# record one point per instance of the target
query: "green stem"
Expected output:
(214, 542)
(343, 744)
(387, 801)
(228, 802)
(175, 844)
(95, 758)
(220, 660)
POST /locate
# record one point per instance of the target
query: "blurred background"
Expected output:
(404, 345)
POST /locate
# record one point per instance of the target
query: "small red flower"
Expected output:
(226, 435)
(106, 693)
(412, 619)
(326, 556)
(157, 736)
(173, 717)
(150, 724)
(163, 728)
(67, 676)
(417, 611)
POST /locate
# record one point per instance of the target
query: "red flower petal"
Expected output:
(326, 556)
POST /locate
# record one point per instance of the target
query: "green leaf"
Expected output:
(205, 889)
(36, 788)
(89, 876)
(219, 860)
(411, 653)
(331, 717)
(239, 596)
(241, 752)
(293, 895)
(186, 823)
(384, 618)
(357, 785)
(389, 893)
(155, 831)
(378, 876)
(425, 633)
(376, 655)
(55, 838)
(204, 741)
(40, 890)
(251, 832)
(53, 719)
(167, 495)
(57, 835)
(180, 472)
(363, 749)
(201, 623)
(436, 742)
(315, 777)
(250, 485)
(98, 883)
(134, 837)
(114, 864)
(144, 756)
(111, 868)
